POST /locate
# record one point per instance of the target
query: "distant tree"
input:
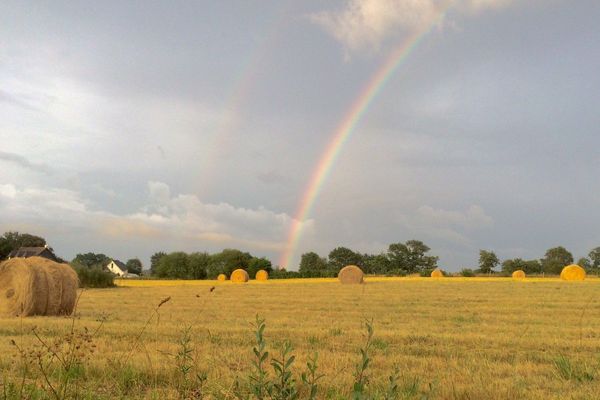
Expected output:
(227, 261)
(556, 259)
(594, 257)
(256, 264)
(91, 260)
(155, 259)
(410, 257)
(134, 266)
(198, 265)
(527, 266)
(467, 272)
(487, 261)
(342, 256)
(376, 264)
(174, 265)
(585, 263)
(14, 240)
(312, 265)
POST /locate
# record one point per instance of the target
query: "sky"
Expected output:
(128, 128)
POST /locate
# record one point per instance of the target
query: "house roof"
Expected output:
(120, 264)
(25, 252)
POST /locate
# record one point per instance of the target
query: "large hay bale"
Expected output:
(36, 286)
(261, 275)
(518, 274)
(239, 276)
(437, 273)
(222, 277)
(572, 273)
(351, 274)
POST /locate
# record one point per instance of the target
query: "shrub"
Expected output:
(467, 272)
(94, 277)
(426, 272)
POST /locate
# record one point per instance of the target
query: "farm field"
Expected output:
(451, 338)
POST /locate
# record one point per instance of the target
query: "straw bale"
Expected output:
(222, 277)
(261, 275)
(351, 274)
(437, 273)
(572, 273)
(518, 274)
(239, 276)
(36, 286)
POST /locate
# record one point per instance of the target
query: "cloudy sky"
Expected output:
(132, 127)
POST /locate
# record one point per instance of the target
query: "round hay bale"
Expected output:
(261, 275)
(239, 276)
(36, 286)
(572, 273)
(351, 274)
(222, 277)
(518, 274)
(437, 273)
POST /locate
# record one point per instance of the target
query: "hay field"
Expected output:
(452, 338)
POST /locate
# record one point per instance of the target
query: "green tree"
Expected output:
(198, 265)
(594, 257)
(91, 260)
(585, 263)
(556, 259)
(256, 264)
(410, 257)
(174, 265)
(376, 264)
(342, 256)
(134, 266)
(155, 259)
(312, 265)
(14, 240)
(487, 261)
(227, 261)
(527, 266)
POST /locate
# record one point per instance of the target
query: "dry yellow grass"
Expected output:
(458, 338)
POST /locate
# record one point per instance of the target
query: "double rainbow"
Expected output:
(345, 129)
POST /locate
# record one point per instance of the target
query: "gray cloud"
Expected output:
(23, 162)
(485, 137)
(15, 100)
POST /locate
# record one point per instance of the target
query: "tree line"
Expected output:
(552, 263)
(202, 265)
(410, 257)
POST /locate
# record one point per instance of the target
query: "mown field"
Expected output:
(451, 338)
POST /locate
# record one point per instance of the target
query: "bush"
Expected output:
(426, 273)
(396, 272)
(283, 274)
(467, 272)
(94, 277)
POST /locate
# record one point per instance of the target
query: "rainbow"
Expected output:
(345, 128)
(237, 95)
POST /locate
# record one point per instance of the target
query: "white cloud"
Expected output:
(366, 24)
(8, 191)
(181, 218)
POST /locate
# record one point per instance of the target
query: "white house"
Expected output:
(117, 267)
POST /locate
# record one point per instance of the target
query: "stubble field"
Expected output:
(452, 338)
